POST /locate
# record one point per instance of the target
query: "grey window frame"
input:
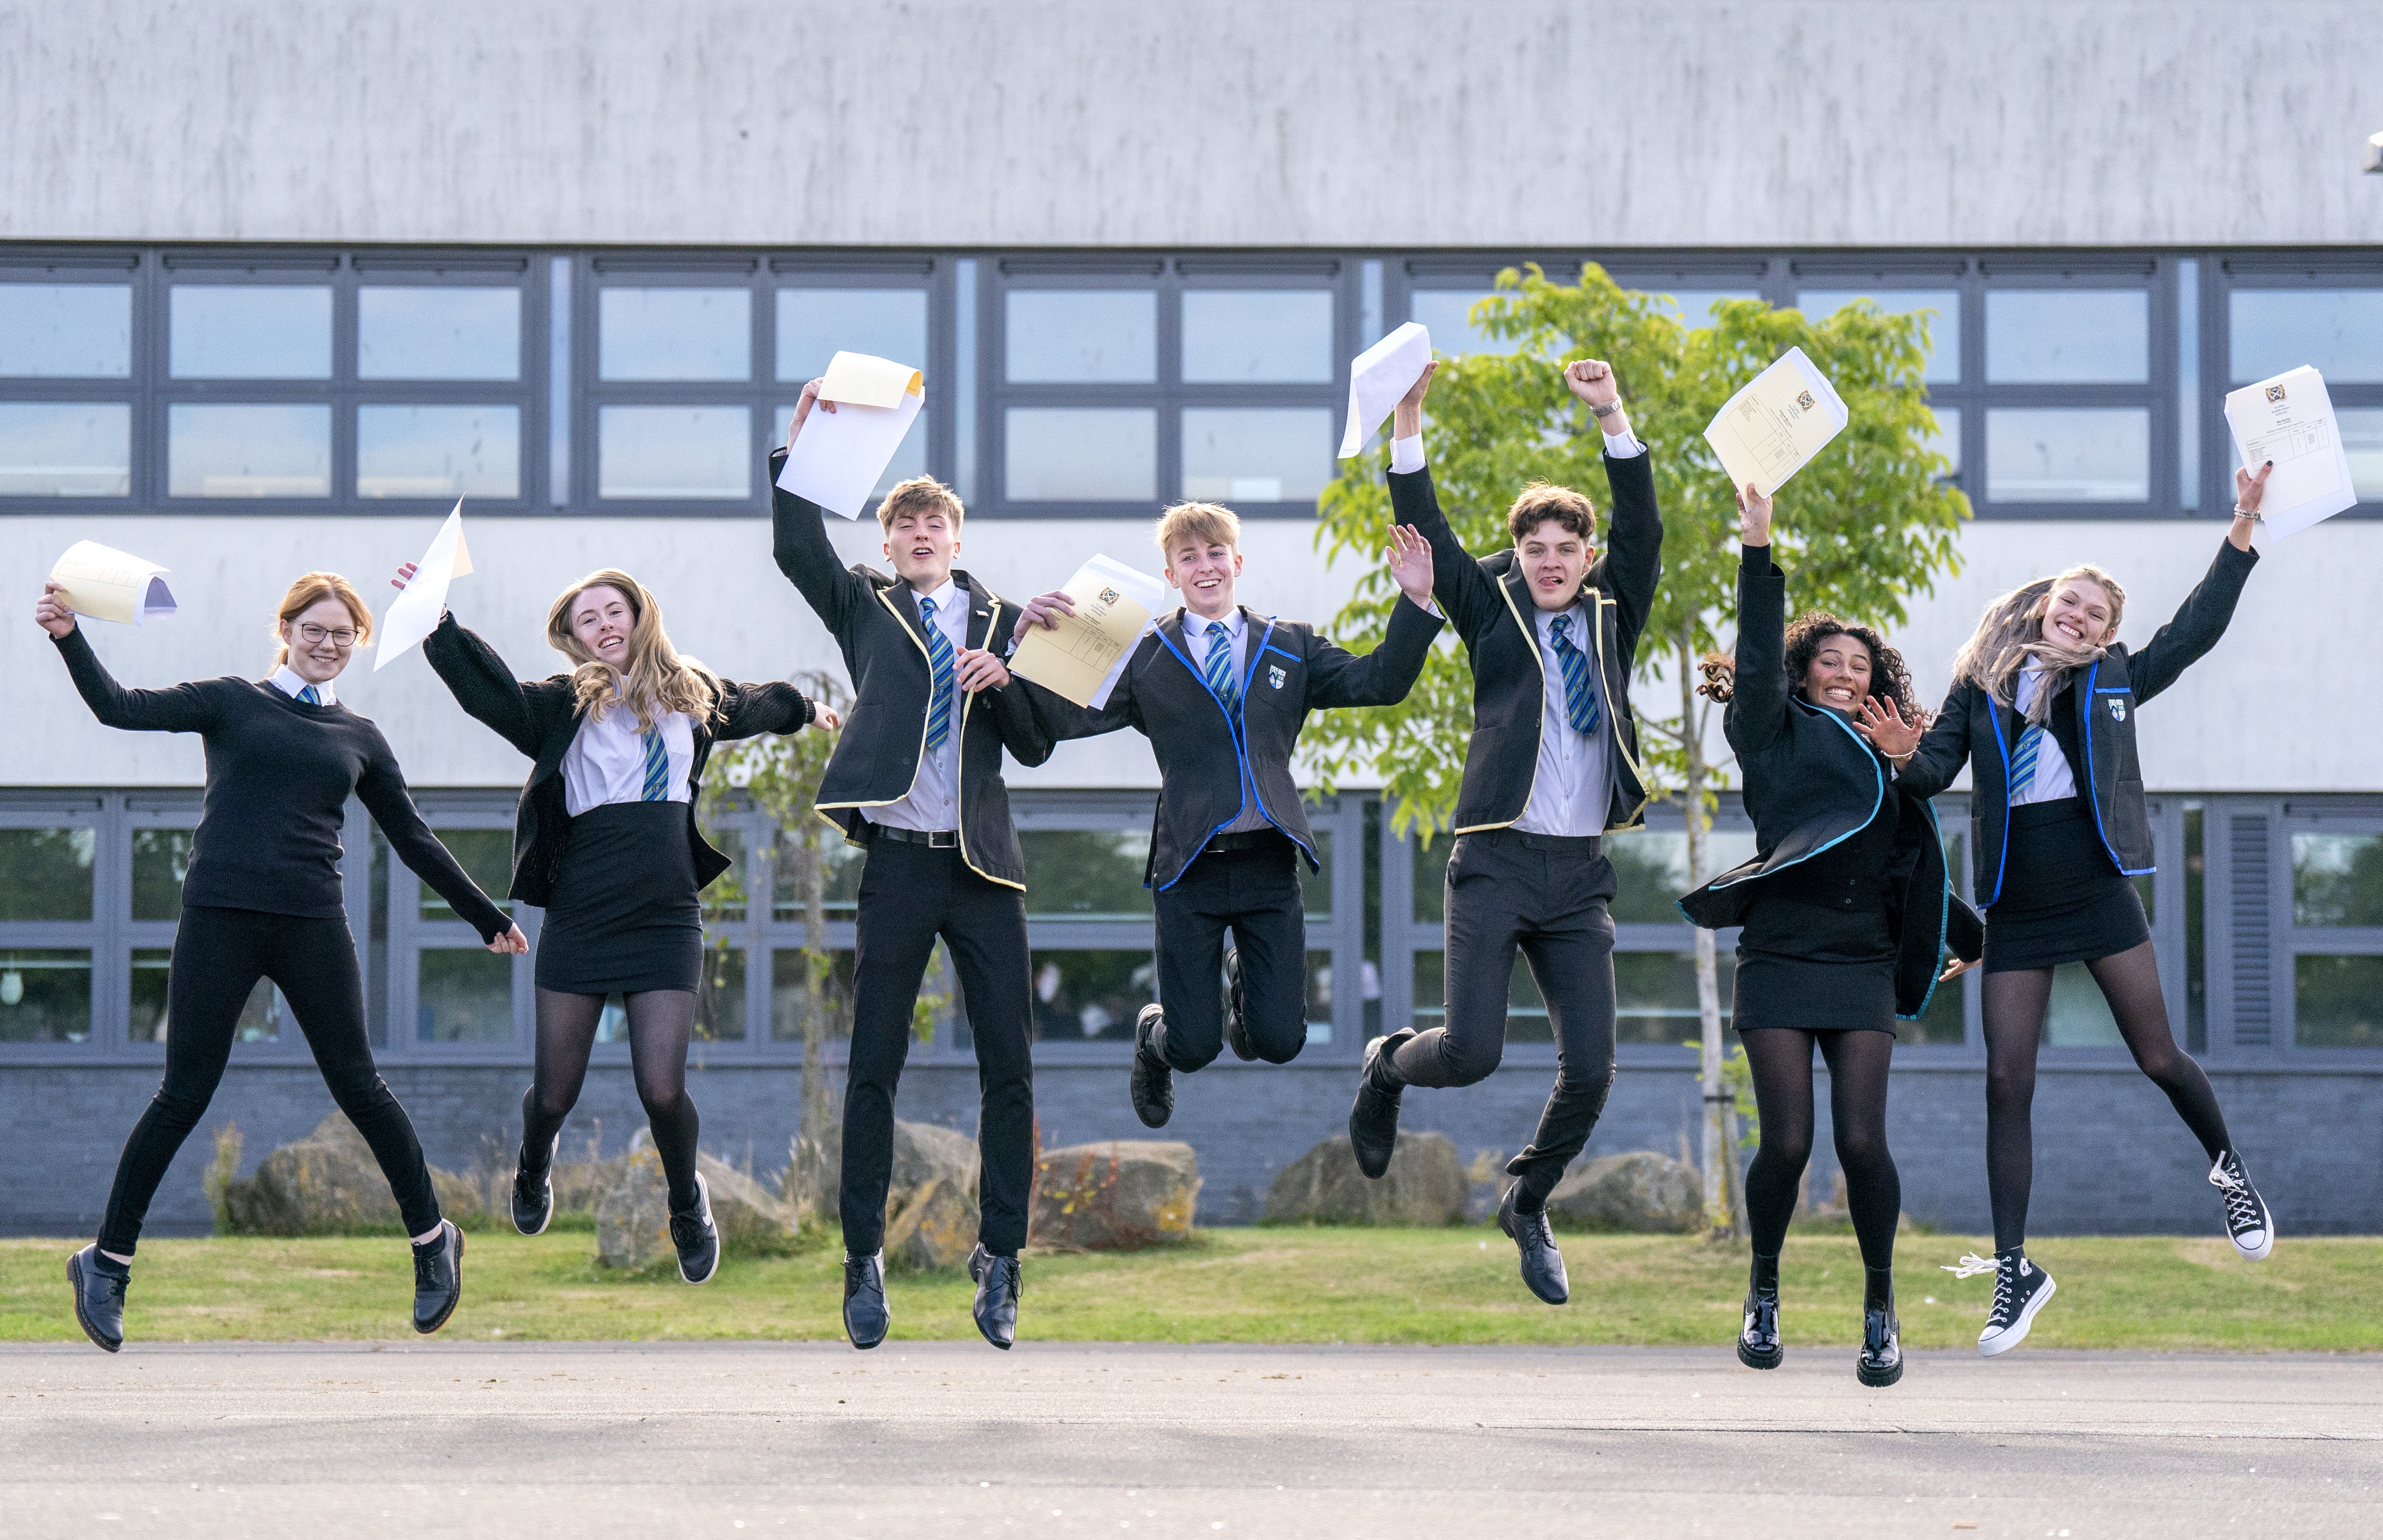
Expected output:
(2224, 273)
(99, 267)
(2291, 941)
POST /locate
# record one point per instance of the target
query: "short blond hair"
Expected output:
(1206, 523)
(920, 495)
(312, 590)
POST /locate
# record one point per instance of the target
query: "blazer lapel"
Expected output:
(980, 603)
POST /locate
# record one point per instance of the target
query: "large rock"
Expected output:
(1640, 1193)
(923, 1153)
(935, 1227)
(1118, 1195)
(633, 1216)
(328, 1183)
(1425, 1184)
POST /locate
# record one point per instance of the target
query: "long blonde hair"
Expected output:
(312, 590)
(2010, 636)
(658, 680)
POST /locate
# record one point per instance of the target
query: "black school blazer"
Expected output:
(1812, 782)
(1975, 729)
(540, 717)
(875, 621)
(1203, 750)
(1492, 610)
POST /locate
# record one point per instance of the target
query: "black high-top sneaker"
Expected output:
(1237, 1029)
(99, 1285)
(999, 1281)
(2247, 1220)
(2020, 1289)
(438, 1278)
(1374, 1118)
(695, 1237)
(1543, 1265)
(865, 1315)
(1758, 1340)
(534, 1192)
(1152, 1084)
(1881, 1362)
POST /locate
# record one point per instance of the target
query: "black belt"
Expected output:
(1248, 839)
(937, 839)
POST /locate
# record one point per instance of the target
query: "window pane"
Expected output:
(909, 456)
(66, 450)
(1057, 335)
(2337, 331)
(2362, 439)
(674, 334)
(45, 873)
(1943, 325)
(1236, 335)
(1657, 996)
(1099, 455)
(720, 996)
(2068, 335)
(841, 861)
(1092, 996)
(1447, 313)
(1086, 873)
(251, 331)
(248, 451)
(2079, 1016)
(814, 325)
(44, 995)
(724, 901)
(2338, 1002)
(66, 330)
(1652, 868)
(1944, 1022)
(465, 994)
(418, 333)
(439, 452)
(161, 858)
(787, 995)
(1319, 997)
(1315, 887)
(2337, 880)
(675, 451)
(1256, 456)
(1946, 439)
(1693, 308)
(487, 857)
(2068, 456)
(148, 993)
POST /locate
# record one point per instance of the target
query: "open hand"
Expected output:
(1956, 969)
(803, 409)
(1406, 418)
(512, 942)
(51, 612)
(1042, 609)
(1880, 720)
(1753, 517)
(1409, 563)
(979, 670)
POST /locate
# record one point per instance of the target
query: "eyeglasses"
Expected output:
(316, 635)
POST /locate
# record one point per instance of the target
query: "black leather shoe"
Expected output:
(533, 1193)
(99, 1286)
(999, 1282)
(1236, 1031)
(1758, 1339)
(1374, 1118)
(438, 1278)
(697, 1237)
(1152, 1084)
(1543, 1268)
(1881, 1361)
(865, 1315)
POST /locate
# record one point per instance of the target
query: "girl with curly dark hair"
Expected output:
(1847, 912)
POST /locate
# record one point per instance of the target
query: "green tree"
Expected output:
(1866, 525)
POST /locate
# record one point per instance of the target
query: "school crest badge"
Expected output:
(1274, 676)
(2117, 710)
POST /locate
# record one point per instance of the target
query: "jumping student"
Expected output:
(916, 780)
(2043, 710)
(1551, 766)
(263, 900)
(1221, 693)
(605, 842)
(1847, 912)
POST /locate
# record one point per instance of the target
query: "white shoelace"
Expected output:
(2241, 1203)
(1971, 1265)
(2006, 1280)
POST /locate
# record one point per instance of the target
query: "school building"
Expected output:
(278, 283)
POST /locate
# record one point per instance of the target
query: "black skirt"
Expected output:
(2063, 900)
(625, 917)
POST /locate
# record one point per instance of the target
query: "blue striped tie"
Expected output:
(1580, 699)
(657, 767)
(1220, 663)
(2022, 770)
(310, 696)
(939, 660)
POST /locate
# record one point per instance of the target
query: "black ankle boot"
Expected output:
(1758, 1339)
(1881, 1362)
(99, 1284)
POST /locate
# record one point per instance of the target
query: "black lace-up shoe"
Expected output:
(438, 1278)
(1880, 1364)
(865, 1315)
(1543, 1268)
(99, 1284)
(697, 1237)
(1373, 1119)
(1236, 1031)
(1152, 1084)
(533, 1193)
(2020, 1289)
(999, 1282)
(1758, 1339)
(2247, 1220)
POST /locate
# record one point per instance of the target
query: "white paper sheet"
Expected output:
(1776, 423)
(1381, 374)
(1083, 656)
(110, 585)
(2290, 420)
(413, 615)
(839, 455)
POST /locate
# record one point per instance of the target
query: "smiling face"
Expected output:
(320, 661)
(2079, 612)
(1839, 674)
(922, 543)
(1554, 559)
(601, 620)
(1205, 570)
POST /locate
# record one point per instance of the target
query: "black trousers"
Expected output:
(218, 956)
(1547, 896)
(1253, 892)
(910, 895)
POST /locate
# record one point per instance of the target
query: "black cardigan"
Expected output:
(540, 717)
(2099, 739)
(875, 621)
(1813, 783)
(1491, 609)
(1287, 671)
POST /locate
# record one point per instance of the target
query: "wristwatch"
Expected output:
(1608, 409)
(2251, 513)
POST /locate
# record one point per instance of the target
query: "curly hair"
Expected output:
(1889, 680)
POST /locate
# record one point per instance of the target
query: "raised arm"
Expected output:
(180, 708)
(383, 791)
(1633, 562)
(749, 710)
(798, 537)
(1758, 706)
(481, 684)
(1382, 677)
(1466, 594)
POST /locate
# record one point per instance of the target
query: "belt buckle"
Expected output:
(942, 838)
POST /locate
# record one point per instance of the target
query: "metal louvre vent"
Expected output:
(2252, 926)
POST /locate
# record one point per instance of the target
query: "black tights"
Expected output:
(1782, 1059)
(661, 1022)
(2015, 1003)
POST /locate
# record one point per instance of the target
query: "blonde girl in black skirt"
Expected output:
(606, 842)
(2043, 710)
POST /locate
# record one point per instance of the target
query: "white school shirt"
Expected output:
(2053, 779)
(1237, 633)
(288, 681)
(1573, 791)
(606, 761)
(933, 803)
